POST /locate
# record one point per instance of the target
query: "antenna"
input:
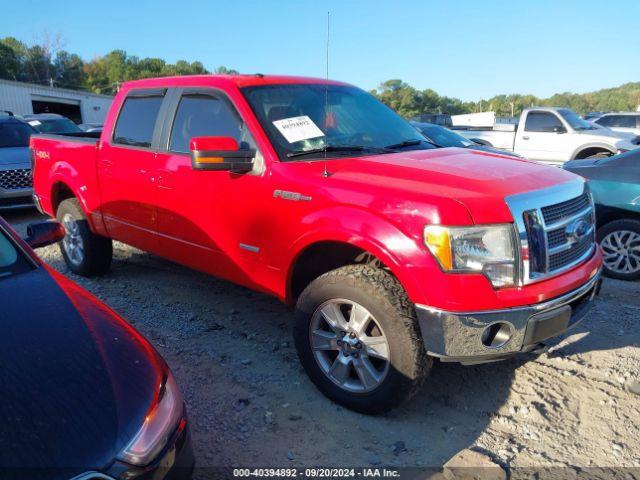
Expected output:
(325, 172)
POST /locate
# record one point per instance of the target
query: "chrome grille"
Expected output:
(561, 211)
(15, 179)
(556, 228)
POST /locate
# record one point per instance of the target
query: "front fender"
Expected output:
(402, 253)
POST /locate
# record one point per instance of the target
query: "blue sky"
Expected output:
(466, 49)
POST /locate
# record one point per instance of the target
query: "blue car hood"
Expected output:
(76, 381)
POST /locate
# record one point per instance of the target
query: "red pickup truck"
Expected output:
(392, 250)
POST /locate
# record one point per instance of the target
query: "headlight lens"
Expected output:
(159, 424)
(489, 249)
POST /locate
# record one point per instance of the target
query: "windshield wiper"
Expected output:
(411, 143)
(338, 148)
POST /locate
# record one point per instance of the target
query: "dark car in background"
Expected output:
(16, 186)
(443, 137)
(52, 123)
(615, 185)
(83, 393)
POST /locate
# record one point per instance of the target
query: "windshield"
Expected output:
(302, 120)
(55, 125)
(573, 119)
(14, 134)
(11, 260)
(443, 136)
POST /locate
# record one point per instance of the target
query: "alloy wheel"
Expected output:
(621, 251)
(72, 242)
(349, 345)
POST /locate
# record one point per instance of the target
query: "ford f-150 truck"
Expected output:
(551, 135)
(393, 251)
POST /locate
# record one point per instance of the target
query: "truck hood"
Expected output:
(478, 180)
(18, 156)
(79, 381)
(616, 139)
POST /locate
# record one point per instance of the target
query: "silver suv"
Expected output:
(16, 187)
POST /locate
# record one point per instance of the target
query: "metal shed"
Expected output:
(27, 98)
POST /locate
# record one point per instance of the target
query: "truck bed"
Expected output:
(503, 140)
(69, 156)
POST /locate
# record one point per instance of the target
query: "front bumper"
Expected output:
(19, 198)
(466, 337)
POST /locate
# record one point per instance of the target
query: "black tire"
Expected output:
(625, 225)
(383, 296)
(97, 250)
(599, 155)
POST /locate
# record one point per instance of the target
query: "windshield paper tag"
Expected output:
(295, 129)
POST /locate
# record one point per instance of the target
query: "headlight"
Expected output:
(489, 249)
(159, 425)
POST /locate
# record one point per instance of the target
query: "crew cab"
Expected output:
(392, 251)
(551, 135)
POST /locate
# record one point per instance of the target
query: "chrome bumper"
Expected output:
(470, 337)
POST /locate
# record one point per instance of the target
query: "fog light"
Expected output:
(497, 335)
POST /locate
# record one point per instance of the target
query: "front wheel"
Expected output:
(357, 337)
(620, 244)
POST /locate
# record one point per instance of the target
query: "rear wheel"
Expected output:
(620, 244)
(84, 252)
(357, 337)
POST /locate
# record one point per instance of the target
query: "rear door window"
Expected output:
(542, 122)
(137, 120)
(204, 115)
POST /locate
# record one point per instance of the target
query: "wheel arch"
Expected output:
(585, 151)
(321, 252)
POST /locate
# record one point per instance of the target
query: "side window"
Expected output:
(137, 121)
(200, 115)
(605, 121)
(625, 121)
(542, 122)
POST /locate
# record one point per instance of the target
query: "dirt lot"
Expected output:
(250, 403)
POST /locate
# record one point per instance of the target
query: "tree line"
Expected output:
(46, 63)
(410, 102)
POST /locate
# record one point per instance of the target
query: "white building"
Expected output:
(27, 98)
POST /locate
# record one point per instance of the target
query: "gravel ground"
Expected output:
(250, 403)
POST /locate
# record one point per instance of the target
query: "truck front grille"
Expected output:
(556, 213)
(15, 179)
(556, 229)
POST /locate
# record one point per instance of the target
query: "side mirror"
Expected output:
(220, 153)
(46, 233)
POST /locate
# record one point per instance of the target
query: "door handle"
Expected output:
(106, 162)
(525, 137)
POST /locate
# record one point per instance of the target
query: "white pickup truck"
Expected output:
(551, 135)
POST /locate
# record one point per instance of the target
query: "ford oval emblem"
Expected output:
(577, 230)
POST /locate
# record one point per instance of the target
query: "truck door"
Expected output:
(543, 138)
(126, 165)
(208, 220)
